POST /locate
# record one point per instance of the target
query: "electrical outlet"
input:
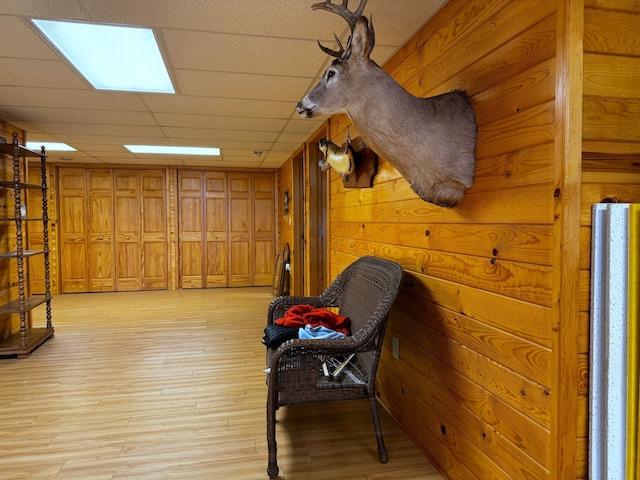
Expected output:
(396, 348)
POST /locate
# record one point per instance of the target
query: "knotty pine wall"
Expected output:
(474, 384)
(8, 267)
(493, 321)
(611, 142)
(285, 224)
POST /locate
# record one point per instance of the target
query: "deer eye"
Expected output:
(330, 73)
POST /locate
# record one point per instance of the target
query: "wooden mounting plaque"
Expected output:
(366, 161)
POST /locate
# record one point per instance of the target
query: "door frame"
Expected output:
(317, 222)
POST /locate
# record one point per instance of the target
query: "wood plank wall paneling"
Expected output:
(8, 267)
(35, 238)
(472, 357)
(611, 145)
(285, 224)
(475, 319)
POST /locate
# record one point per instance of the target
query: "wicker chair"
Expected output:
(365, 292)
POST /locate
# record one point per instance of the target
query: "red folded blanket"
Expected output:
(301, 315)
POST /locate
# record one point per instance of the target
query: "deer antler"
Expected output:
(334, 53)
(349, 16)
(342, 10)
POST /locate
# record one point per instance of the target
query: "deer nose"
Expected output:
(305, 112)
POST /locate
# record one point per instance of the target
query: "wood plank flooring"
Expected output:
(169, 385)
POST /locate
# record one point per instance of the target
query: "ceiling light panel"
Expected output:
(51, 146)
(171, 150)
(110, 57)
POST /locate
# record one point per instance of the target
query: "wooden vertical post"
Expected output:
(568, 160)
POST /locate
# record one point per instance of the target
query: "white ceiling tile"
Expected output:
(20, 40)
(219, 134)
(242, 85)
(240, 68)
(298, 138)
(220, 122)
(109, 139)
(238, 107)
(237, 145)
(281, 18)
(39, 73)
(85, 116)
(43, 9)
(303, 125)
(100, 129)
(285, 147)
(197, 50)
(70, 98)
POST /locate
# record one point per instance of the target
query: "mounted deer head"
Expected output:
(430, 141)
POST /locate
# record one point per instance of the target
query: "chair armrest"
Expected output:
(320, 347)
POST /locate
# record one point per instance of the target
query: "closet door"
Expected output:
(190, 229)
(226, 229)
(215, 238)
(113, 229)
(264, 229)
(240, 221)
(100, 241)
(154, 230)
(128, 213)
(72, 190)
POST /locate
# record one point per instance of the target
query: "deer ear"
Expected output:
(363, 39)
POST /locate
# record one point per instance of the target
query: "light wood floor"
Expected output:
(169, 385)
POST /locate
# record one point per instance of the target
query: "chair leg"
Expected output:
(272, 467)
(382, 449)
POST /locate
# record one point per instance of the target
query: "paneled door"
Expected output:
(100, 264)
(73, 229)
(128, 213)
(240, 238)
(226, 229)
(264, 229)
(86, 230)
(202, 198)
(112, 229)
(154, 230)
(140, 222)
(215, 222)
(190, 229)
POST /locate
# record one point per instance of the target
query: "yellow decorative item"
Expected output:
(633, 366)
(340, 158)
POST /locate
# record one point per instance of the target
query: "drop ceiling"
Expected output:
(238, 66)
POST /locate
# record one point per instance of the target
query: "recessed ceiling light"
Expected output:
(110, 57)
(51, 146)
(171, 150)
